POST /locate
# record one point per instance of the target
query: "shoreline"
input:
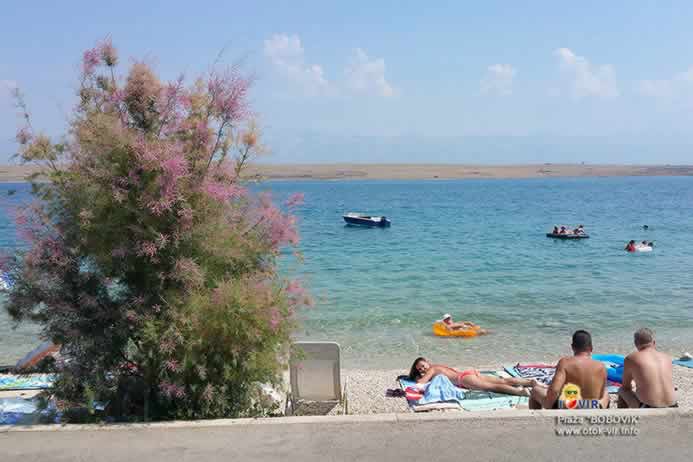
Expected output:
(345, 171)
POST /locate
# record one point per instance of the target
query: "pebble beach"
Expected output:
(366, 390)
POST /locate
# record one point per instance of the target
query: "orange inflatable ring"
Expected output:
(441, 330)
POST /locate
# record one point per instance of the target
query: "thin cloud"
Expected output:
(366, 75)
(679, 84)
(287, 54)
(586, 78)
(498, 80)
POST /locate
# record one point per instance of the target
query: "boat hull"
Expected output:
(357, 221)
(567, 236)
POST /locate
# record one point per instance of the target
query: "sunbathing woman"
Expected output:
(422, 372)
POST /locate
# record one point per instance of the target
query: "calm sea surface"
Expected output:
(477, 249)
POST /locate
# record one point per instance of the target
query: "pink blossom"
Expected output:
(167, 346)
(188, 272)
(222, 192)
(131, 316)
(275, 318)
(295, 199)
(217, 296)
(201, 134)
(147, 248)
(116, 96)
(175, 167)
(172, 365)
(280, 227)
(229, 95)
(186, 216)
(90, 60)
(295, 288)
(21, 219)
(108, 53)
(208, 393)
(119, 252)
(171, 390)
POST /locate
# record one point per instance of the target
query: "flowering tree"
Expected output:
(148, 260)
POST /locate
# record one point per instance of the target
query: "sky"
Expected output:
(392, 81)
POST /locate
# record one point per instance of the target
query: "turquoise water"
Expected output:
(477, 249)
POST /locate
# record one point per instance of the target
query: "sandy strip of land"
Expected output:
(16, 173)
(366, 390)
(458, 171)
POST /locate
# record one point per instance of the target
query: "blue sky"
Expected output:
(386, 81)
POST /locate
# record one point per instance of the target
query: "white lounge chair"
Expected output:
(315, 377)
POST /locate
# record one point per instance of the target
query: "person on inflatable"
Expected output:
(450, 324)
(563, 230)
(555, 230)
(630, 247)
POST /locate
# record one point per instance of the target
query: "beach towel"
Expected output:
(544, 373)
(18, 411)
(441, 393)
(684, 362)
(26, 382)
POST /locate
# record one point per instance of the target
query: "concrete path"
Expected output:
(497, 436)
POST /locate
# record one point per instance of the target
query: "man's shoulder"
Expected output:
(664, 357)
(566, 361)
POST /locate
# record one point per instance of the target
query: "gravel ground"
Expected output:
(366, 390)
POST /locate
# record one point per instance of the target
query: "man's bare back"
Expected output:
(588, 374)
(651, 370)
(580, 370)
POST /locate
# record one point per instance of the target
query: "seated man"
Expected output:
(651, 370)
(580, 370)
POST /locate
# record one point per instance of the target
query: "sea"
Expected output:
(477, 249)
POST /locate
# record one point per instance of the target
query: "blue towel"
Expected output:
(439, 389)
(684, 362)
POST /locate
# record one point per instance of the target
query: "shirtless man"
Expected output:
(651, 371)
(580, 370)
